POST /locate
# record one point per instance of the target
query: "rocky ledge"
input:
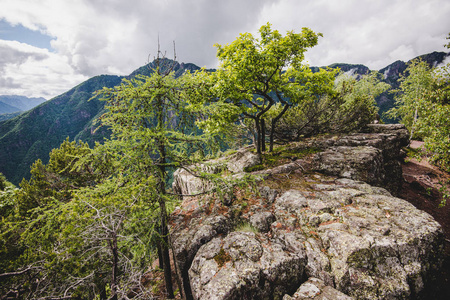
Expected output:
(305, 234)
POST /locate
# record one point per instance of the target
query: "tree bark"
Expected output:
(274, 122)
(263, 135)
(160, 256)
(165, 250)
(258, 136)
(115, 265)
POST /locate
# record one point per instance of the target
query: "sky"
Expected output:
(49, 46)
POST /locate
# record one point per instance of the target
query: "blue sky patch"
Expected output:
(24, 35)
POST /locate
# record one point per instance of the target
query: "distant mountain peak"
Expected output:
(14, 103)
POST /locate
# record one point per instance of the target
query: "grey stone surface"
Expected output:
(356, 238)
(186, 182)
(262, 220)
(316, 289)
(363, 163)
(351, 238)
(245, 265)
(242, 159)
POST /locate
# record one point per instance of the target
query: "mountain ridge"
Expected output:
(14, 103)
(33, 134)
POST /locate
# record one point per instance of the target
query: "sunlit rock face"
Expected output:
(305, 234)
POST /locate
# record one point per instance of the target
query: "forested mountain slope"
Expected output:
(33, 134)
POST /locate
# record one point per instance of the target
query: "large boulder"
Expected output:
(360, 163)
(187, 240)
(349, 155)
(245, 265)
(356, 238)
(363, 241)
(341, 229)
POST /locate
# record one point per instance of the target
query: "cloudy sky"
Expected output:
(49, 46)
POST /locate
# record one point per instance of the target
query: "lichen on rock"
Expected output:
(351, 238)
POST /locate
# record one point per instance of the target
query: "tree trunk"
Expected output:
(263, 135)
(165, 250)
(274, 123)
(413, 124)
(115, 263)
(163, 219)
(258, 136)
(160, 256)
(161, 189)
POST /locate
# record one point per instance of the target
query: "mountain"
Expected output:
(7, 116)
(33, 134)
(13, 103)
(7, 109)
(165, 64)
(391, 75)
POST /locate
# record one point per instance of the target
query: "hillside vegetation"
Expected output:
(92, 217)
(19, 148)
(33, 134)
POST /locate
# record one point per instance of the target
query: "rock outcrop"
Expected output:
(187, 182)
(310, 235)
(315, 289)
(373, 156)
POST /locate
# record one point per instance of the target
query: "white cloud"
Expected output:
(364, 31)
(401, 51)
(15, 53)
(32, 71)
(94, 37)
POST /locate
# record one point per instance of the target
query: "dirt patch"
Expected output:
(423, 186)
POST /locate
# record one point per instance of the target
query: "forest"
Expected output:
(90, 222)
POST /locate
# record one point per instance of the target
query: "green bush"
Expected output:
(351, 107)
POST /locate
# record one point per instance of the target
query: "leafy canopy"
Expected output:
(348, 107)
(255, 74)
(423, 105)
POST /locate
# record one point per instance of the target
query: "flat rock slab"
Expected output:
(363, 163)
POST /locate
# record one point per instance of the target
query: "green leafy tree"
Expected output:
(348, 107)
(7, 193)
(423, 105)
(3, 182)
(413, 99)
(31, 245)
(86, 223)
(94, 243)
(357, 107)
(57, 178)
(257, 74)
(106, 231)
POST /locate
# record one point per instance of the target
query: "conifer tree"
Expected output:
(152, 132)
